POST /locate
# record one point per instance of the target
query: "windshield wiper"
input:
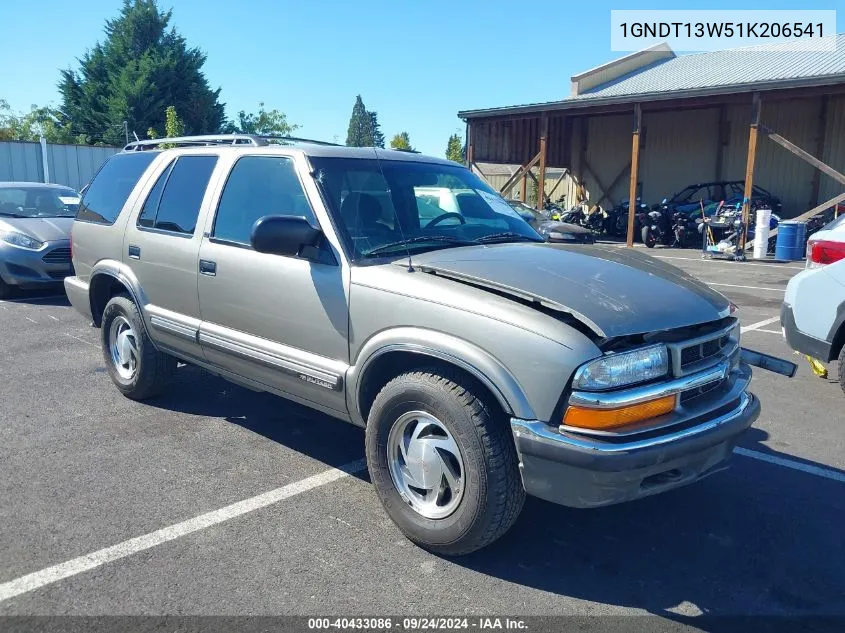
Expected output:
(505, 237)
(12, 215)
(414, 240)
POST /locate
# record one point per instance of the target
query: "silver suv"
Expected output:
(483, 362)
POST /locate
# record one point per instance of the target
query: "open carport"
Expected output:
(653, 122)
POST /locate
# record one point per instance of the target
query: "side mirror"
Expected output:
(283, 234)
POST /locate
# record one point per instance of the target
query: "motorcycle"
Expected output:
(616, 223)
(656, 226)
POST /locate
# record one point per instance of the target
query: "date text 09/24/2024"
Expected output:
(417, 623)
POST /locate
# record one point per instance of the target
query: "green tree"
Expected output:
(401, 141)
(375, 129)
(360, 133)
(143, 66)
(264, 122)
(173, 125)
(39, 121)
(454, 149)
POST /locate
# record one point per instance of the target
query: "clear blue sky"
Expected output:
(415, 62)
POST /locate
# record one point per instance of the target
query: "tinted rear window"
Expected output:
(108, 192)
(183, 193)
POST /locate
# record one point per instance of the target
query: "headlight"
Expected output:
(19, 239)
(626, 368)
(557, 235)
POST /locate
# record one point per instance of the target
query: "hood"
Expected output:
(614, 291)
(564, 227)
(42, 229)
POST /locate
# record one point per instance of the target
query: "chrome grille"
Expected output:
(703, 351)
(57, 256)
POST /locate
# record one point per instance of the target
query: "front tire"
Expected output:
(5, 290)
(443, 462)
(648, 237)
(135, 366)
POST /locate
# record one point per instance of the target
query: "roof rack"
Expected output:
(255, 140)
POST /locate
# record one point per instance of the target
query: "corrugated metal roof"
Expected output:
(764, 63)
(718, 72)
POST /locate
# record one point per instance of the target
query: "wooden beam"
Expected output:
(541, 184)
(520, 173)
(635, 164)
(605, 192)
(800, 153)
(749, 167)
(821, 137)
(557, 182)
(613, 183)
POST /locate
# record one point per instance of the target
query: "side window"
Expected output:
(147, 217)
(258, 186)
(184, 186)
(105, 196)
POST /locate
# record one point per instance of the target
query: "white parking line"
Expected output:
(701, 259)
(82, 340)
(713, 283)
(818, 471)
(53, 574)
(759, 324)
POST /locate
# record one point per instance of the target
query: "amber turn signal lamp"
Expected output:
(601, 419)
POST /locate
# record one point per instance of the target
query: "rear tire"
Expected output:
(136, 367)
(841, 369)
(464, 459)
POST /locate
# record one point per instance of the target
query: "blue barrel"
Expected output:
(791, 239)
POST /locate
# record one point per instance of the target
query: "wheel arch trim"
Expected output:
(444, 347)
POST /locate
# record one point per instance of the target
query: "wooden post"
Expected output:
(722, 140)
(635, 164)
(820, 145)
(749, 169)
(541, 183)
(523, 190)
(470, 150)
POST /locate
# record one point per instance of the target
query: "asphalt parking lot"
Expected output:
(83, 470)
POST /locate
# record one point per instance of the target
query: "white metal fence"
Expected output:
(71, 165)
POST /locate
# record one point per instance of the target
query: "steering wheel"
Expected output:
(445, 216)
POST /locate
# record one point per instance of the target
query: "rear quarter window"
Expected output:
(108, 192)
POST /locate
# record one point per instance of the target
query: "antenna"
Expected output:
(395, 215)
(135, 134)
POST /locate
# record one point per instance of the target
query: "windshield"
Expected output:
(392, 207)
(38, 202)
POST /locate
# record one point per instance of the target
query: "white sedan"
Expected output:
(813, 312)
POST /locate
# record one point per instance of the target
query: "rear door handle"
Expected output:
(208, 267)
(134, 252)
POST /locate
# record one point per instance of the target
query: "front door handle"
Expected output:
(208, 267)
(134, 252)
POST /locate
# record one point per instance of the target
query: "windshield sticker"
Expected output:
(68, 200)
(498, 204)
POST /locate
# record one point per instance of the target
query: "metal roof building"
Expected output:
(691, 119)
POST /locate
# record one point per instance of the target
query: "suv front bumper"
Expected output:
(583, 472)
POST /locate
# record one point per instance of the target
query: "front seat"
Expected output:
(361, 213)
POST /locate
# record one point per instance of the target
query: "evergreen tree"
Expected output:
(375, 130)
(454, 150)
(360, 133)
(401, 141)
(142, 67)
